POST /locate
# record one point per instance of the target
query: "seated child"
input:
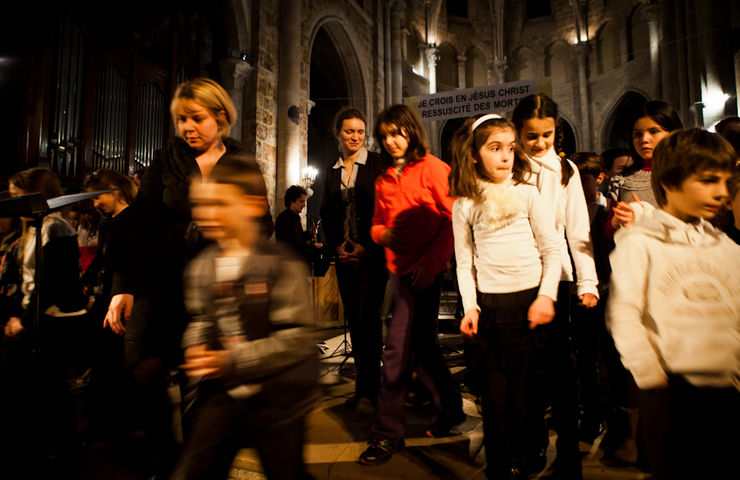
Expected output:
(674, 311)
(248, 350)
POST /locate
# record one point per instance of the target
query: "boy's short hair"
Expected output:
(242, 172)
(589, 162)
(612, 154)
(293, 193)
(684, 153)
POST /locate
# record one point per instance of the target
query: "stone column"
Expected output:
(499, 68)
(235, 73)
(432, 55)
(397, 11)
(290, 106)
(651, 14)
(461, 79)
(581, 51)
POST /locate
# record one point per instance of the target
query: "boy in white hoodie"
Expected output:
(674, 311)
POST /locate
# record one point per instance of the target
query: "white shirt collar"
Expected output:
(361, 159)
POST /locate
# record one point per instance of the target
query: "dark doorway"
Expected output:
(569, 138)
(449, 129)
(330, 91)
(617, 130)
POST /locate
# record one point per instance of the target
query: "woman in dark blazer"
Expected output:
(347, 212)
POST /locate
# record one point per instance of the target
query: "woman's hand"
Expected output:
(200, 362)
(469, 323)
(120, 304)
(541, 312)
(588, 300)
(14, 327)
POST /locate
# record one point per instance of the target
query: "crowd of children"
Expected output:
(571, 270)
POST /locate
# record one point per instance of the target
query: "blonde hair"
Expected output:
(211, 96)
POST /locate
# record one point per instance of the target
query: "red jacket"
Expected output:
(418, 207)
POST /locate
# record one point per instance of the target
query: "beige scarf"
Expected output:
(499, 204)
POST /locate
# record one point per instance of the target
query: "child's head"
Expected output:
(536, 119)
(657, 119)
(729, 128)
(690, 172)
(400, 133)
(35, 180)
(231, 202)
(616, 160)
(295, 198)
(105, 179)
(484, 147)
(733, 190)
(592, 169)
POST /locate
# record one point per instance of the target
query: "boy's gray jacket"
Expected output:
(264, 318)
(674, 306)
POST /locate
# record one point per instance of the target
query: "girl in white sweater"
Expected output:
(508, 268)
(536, 118)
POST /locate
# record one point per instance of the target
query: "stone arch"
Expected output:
(558, 64)
(476, 68)
(237, 19)
(608, 52)
(414, 54)
(523, 65)
(445, 136)
(447, 67)
(346, 46)
(569, 136)
(638, 38)
(335, 81)
(616, 126)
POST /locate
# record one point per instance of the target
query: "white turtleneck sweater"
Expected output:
(504, 243)
(566, 206)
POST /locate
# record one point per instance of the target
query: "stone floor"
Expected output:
(337, 435)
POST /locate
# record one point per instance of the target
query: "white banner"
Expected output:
(469, 102)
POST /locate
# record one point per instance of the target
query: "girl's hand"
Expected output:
(541, 311)
(391, 240)
(588, 300)
(421, 279)
(469, 323)
(624, 215)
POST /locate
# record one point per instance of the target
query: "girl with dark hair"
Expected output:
(413, 221)
(107, 275)
(347, 212)
(657, 120)
(537, 120)
(508, 268)
(62, 337)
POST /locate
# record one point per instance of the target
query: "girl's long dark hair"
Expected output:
(541, 106)
(406, 122)
(465, 146)
(661, 113)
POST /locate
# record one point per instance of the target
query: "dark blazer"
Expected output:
(333, 211)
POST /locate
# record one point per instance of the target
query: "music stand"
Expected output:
(35, 206)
